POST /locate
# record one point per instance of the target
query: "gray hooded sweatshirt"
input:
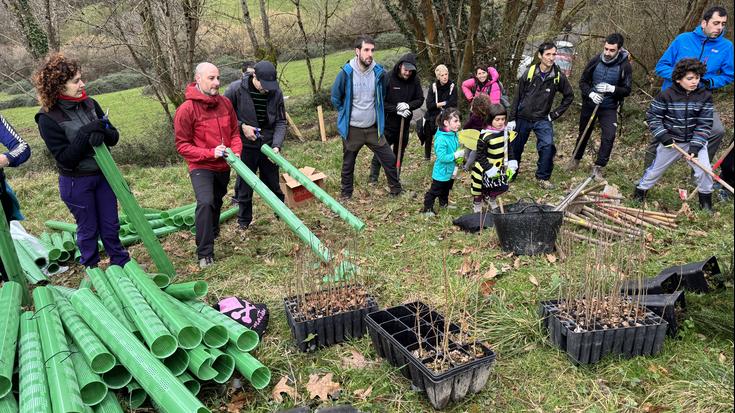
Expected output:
(363, 95)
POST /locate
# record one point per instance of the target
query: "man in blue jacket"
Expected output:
(708, 44)
(357, 94)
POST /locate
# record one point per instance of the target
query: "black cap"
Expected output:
(408, 66)
(266, 74)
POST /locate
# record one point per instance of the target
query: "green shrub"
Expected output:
(116, 82)
(18, 101)
(228, 74)
(390, 40)
(19, 87)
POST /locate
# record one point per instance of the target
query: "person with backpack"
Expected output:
(442, 94)
(605, 82)
(531, 110)
(485, 81)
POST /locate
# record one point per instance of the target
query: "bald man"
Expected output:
(205, 125)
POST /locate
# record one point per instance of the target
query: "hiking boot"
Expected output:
(345, 196)
(639, 195)
(597, 173)
(242, 226)
(573, 165)
(705, 202)
(428, 212)
(477, 207)
(206, 262)
(545, 184)
(396, 194)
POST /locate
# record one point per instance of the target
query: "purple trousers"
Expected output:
(94, 206)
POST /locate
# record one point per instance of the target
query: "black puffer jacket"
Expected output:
(534, 96)
(683, 116)
(402, 90)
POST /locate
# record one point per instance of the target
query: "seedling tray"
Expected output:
(698, 277)
(589, 347)
(328, 330)
(410, 336)
(669, 306)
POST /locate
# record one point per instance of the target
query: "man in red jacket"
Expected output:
(205, 125)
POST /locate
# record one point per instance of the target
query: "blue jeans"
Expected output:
(544, 131)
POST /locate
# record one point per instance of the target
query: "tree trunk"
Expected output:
(249, 27)
(469, 48)
(36, 41)
(695, 9)
(192, 12)
(51, 32)
(271, 52)
(432, 37)
(305, 38)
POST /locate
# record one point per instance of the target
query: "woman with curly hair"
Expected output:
(681, 115)
(71, 123)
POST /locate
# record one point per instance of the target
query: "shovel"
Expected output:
(700, 166)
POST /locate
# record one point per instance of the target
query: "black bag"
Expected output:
(473, 222)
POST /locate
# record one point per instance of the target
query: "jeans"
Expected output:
(544, 131)
(356, 139)
(255, 161)
(209, 189)
(608, 119)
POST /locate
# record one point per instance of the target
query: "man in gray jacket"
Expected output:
(261, 114)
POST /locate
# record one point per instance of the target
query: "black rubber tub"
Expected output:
(589, 347)
(328, 330)
(527, 228)
(410, 336)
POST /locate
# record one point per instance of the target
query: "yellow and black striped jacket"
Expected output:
(489, 154)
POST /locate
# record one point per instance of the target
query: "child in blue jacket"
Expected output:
(446, 148)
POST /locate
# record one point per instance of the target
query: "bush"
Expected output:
(16, 88)
(390, 40)
(228, 74)
(116, 82)
(18, 101)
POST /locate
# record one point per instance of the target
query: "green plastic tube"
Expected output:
(310, 186)
(10, 260)
(8, 404)
(162, 386)
(133, 210)
(291, 220)
(136, 395)
(187, 335)
(85, 282)
(65, 291)
(162, 280)
(10, 300)
(91, 387)
(159, 340)
(61, 226)
(188, 290)
(213, 335)
(41, 259)
(59, 245)
(240, 336)
(156, 223)
(53, 252)
(67, 241)
(190, 383)
(117, 378)
(174, 211)
(33, 274)
(224, 364)
(177, 362)
(109, 404)
(95, 354)
(62, 381)
(223, 216)
(52, 267)
(200, 363)
(108, 297)
(33, 387)
(254, 371)
(159, 232)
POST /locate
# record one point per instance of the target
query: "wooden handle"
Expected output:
(707, 171)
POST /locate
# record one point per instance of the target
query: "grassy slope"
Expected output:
(401, 255)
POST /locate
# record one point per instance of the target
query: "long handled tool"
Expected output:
(700, 166)
(581, 137)
(714, 168)
(400, 146)
(573, 195)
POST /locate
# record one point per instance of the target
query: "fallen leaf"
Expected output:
(236, 403)
(505, 268)
(649, 408)
(533, 280)
(491, 272)
(354, 361)
(310, 337)
(722, 358)
(322, 387)
(551, 258)
(698, 233)
(486, 287)
(517, 263)
(282, 387)
(363, 394)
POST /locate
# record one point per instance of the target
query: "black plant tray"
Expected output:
(670, 307)
(394, 335)
(589, 347)
(695, 277)
(329, 330)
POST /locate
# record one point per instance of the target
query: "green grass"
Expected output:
(401, 254)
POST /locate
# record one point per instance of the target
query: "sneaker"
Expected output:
(396, 194)
(545, 184)
(206, 262)
(597, 173)
(427, 212)
(573, 165)
(477, 207)
(345, 196)
(242, 226)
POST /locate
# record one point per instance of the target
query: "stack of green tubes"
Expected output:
(33, 273)
(10, 300)
(34, 395)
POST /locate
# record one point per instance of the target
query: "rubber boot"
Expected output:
(639, 195)
(705, 202)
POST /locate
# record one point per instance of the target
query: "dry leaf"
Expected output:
(283, 387)
(505, 268)
(363, 394)
(355, 361)
(469, 266)
(517, 262)
(236, 403)
(486, 287)
(533, 280)
(551, 258)
(698, 233)
(649, 408)
(322, 387)
(491, 272)
(722, 358)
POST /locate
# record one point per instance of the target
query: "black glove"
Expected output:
(96, 138)
(111, 135)
(666, 140)
(694, 148)
(94, 126)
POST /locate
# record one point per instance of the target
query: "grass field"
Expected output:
(403, 255)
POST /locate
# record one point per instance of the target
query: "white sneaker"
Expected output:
(477, 207)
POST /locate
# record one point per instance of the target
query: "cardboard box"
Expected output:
(296, 194)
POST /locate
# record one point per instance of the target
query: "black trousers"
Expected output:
(392, 136)
(608, 120)
(209, 189)
(356, 139)
(438, 189)
(255, 160)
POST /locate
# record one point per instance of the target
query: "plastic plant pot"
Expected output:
(149, 372)
(251, 369)
(527, 228)
(33, 385)
(190, 383)
(669, 306)
(188, 290)
(10, 300)
(91, 387)
(117, 378)
(327, 330)
(412, 345)
(242, 337)
(177, 362)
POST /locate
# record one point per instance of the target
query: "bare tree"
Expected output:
(326, 13)
(249, 26)
(35, 40)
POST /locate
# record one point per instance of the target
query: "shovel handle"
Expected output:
(698, 164)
